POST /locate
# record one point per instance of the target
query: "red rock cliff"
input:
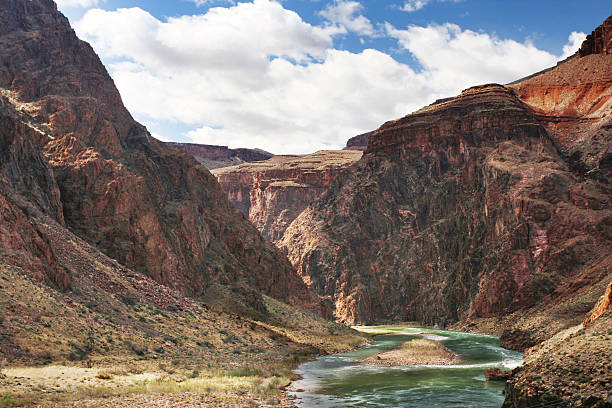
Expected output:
(463, 209)
(599, 41)
(274, 192)
(150, 206)
(574, 102)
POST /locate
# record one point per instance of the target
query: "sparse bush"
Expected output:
(136, 348)
(205, 344)
(104, 375)
(244, 372)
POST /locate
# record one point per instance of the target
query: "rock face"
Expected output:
(599, 41)
(572, 368)
(87, 164)
(603, 305)
(274, 192)
(574, 102)
(462, 210)
(27, 185)
(359, 142)
(214, 157)
(495, 374)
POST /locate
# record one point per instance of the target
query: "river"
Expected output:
(339, 380)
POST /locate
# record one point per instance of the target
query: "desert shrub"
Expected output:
(244, 372)
(137, 349)
(104, 375)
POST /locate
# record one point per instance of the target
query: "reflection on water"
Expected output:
(340, 381)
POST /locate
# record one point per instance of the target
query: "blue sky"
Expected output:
(296, 76)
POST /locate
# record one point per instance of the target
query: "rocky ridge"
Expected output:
(274, 192)
(114, 246)
(151, 207)
(359, 142)
(214, 157)
(487, 220)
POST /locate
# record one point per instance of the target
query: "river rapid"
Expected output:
(339, 380)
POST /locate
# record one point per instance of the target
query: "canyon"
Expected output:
(488, 212)
(274, 192)
(113, 245)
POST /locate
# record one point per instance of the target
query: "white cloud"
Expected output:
(77, 3)
(453, 57)
(414, 5)
(206, 2)
(575, 40)
(257, 75)
(347, 13)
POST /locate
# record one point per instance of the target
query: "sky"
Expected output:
(297, 76)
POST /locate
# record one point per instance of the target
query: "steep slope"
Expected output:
(462, 210)
(62, 299)
(274, 192)
(150, 206)
(214, 157)
(571, 368)
(89, 203)
(574, 101)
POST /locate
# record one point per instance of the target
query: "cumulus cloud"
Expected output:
(575, 40)
(257, 75)
(348, 14)
(414, 5)
(77, 3)
(450, 55)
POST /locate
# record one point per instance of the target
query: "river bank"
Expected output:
(342, 380)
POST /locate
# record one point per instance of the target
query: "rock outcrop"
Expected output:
(214, 157)
(574, 102)
(359, 142)
(100, 174)
(603, 305)
(464, 209)
(274, 192)
(599, 41)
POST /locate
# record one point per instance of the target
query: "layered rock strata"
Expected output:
(274, 192)
(214, 157)
(464, 209)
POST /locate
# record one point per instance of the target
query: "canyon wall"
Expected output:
(465, 209)
(214, 157)
(274, 192)
(101, 174)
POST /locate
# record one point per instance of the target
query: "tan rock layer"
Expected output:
(274, 192)
(602, 306)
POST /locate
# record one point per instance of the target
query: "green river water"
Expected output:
(341, 381)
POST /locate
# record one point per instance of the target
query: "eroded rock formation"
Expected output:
(274, 192)
(99, 173)
(574, 102)
(214, 157)
(359, 142)
(464, 209)
(599, 41)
